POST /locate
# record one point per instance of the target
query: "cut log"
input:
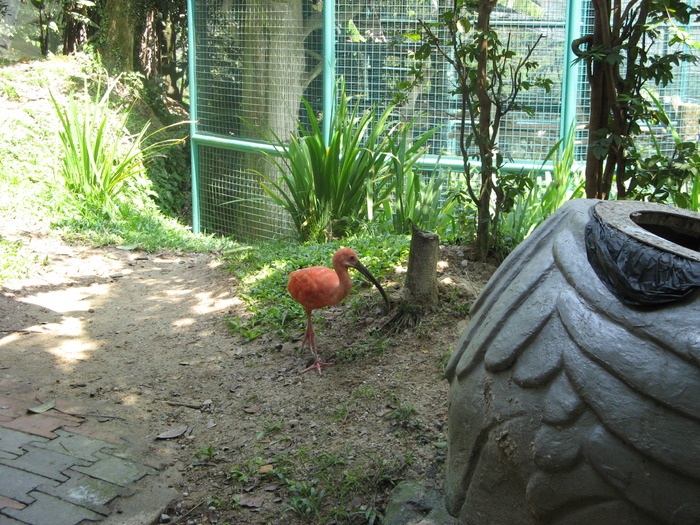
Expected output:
(421, 285)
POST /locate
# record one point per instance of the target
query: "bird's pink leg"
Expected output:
(310, 339)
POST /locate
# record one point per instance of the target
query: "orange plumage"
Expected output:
(317, 286)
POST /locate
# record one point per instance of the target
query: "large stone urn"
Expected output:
(575, 389)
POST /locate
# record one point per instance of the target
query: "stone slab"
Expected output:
(115, 470)
(17, 484)
(153, 495)
(412, 503)
(7, 503)
(12, 441)
(86, 491)
(38, 424)
(76, 445)
(11, 409)
(6, 520)
(45, 463)
(54, 511)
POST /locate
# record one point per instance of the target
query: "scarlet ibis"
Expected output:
(318, 286)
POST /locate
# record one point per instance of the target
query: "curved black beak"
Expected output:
(364, 271)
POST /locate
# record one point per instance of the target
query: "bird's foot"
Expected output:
(317, 364)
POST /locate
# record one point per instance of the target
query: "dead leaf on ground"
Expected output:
(173, 433)
(40, 409)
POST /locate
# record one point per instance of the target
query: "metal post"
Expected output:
(569, 87)
(328, 66)
(191, 14)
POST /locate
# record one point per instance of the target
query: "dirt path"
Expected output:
(119, 333)
(114, 328)
(141, 340)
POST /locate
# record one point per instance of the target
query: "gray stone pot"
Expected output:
(576, 400)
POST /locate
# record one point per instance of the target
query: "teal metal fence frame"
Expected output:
(570, 113)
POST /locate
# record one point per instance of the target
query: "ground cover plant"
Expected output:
(58, 195)
(100, 158)
(263, 271)
(16, 260)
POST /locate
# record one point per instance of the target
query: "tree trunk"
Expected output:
(611, 93)
(8, 18)
(421, 286)
(120, 38)
(272, 85)
(484, 140)
(77, 30)
(172, 14)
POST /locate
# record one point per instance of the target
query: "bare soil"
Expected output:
(141, 340)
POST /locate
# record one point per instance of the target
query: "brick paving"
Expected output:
(52, 475)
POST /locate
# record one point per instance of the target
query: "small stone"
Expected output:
(164, 518)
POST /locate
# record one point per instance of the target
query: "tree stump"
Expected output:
(421, 286)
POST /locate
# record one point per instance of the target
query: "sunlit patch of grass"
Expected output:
(144, 229)
(17, 261)
(263, 271)
(32, 190)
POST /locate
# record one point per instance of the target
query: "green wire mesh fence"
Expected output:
(251, 62)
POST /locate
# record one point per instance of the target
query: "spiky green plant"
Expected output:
(99, 154)
(416, 200)
(330, 188)
(533, 207)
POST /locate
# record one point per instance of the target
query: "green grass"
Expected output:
(32, 189)
(375, 344)
(321, 487)
(263, 271)
(17, 261)
(143, 229)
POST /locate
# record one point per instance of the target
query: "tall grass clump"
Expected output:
(416, 198)
(99, 156)
(531, 208)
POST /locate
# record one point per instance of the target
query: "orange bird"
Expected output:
(318, 286)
